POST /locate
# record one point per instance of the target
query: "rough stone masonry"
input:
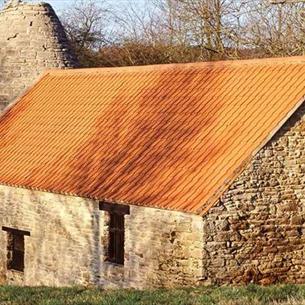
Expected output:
(68, 243)
(256, 233)
(32, 40)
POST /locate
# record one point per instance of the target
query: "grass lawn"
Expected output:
(250, 295)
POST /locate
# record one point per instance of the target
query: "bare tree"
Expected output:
(86, 22)
(147, 35)
(167, 31)
(285, 1)
(275, 30)
(211, 26)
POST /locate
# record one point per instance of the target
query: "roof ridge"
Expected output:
(206, 64)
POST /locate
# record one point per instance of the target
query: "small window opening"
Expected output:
(15, 249)
(116, 239)
(116, 242)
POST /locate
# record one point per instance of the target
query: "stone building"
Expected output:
(32, 39)
(155, 176)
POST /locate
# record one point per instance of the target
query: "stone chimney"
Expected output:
(32, 40)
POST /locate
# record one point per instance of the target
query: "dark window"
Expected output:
(116, 239)
(15, 249)
(116, 231)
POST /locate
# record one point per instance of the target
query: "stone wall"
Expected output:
(59, 250)
(256, 233)
(31, 41)
(163, 249)
(69, 239)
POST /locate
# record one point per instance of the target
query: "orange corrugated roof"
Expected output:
(170, 136)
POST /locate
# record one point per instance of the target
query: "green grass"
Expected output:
(249, 295)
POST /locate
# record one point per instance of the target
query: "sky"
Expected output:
(60, 4)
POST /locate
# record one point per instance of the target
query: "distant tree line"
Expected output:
(172, 31)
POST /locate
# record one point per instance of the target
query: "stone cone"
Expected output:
(32, 40)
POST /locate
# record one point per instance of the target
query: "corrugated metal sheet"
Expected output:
(170, 136)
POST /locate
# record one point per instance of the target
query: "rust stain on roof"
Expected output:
(169, 136)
